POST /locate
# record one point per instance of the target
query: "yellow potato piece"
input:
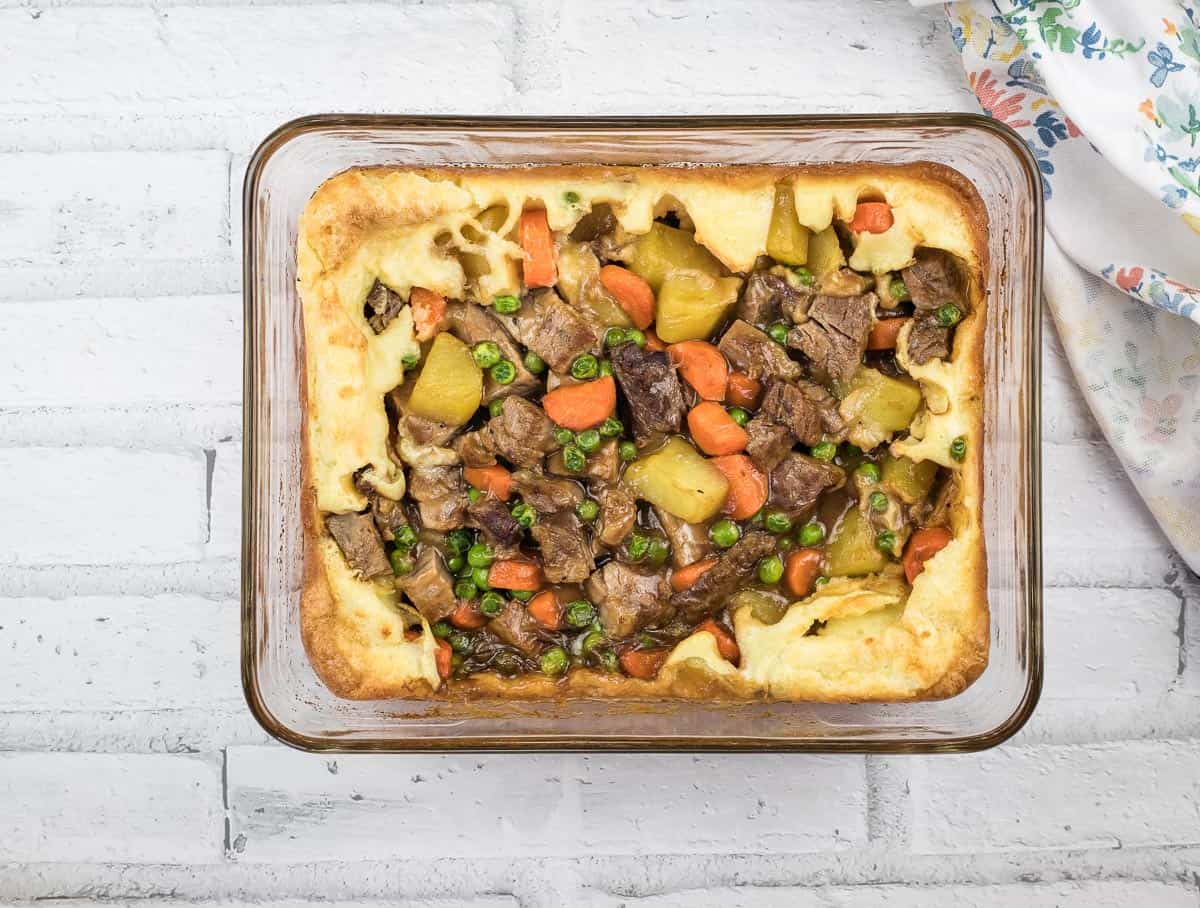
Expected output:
(679, 480)
(691, 304)
(666, 249)
(450, 385)
(787, 239)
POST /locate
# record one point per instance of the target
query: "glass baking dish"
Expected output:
(282, 689)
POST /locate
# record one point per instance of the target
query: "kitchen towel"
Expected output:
(1107, 95)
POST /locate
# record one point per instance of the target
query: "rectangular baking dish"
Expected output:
(281, 688)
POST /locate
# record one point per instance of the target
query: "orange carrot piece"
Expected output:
(631, 292)
(428, 309)
(643, 664)
(467, 616)
(923, 545)
(654, 342)
(443, 659)
(883, 333)
(726, 645)
(743, 391)
(714, 430)
(579, 407)
(871, 217)
(538, 244)
(516, 575)
(702, 366)
(682, 578)
(495, 479)
(546, 609)
(747, 486)
(801, 570)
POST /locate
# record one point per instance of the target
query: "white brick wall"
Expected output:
(129, 766)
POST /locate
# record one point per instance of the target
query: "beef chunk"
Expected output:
(546, 495)
(521, 433)
(849, 315)
(767, 295)
(753, 352)
(835, 336)
(769, 442)
(603, 465)
(566, 555)
(441, 496)
(429, 587)
(618, 515)
(927, 340)
(846, 282)
(712, 589)
(787, 405)
(934, 279)
(629, 598)
(798, 481)
(384, 305)
(473, 449)
(651, 389)
(418, 429)
(491, 517)
(689, 541)
(827, 407)
(474, 324)
(388, 514)
(516, 627)
(360, 543)
(552, 329)
(595, 224)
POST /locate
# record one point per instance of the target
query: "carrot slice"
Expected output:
(428, 309)
(467, 616)
(682, 578)
(726, 645)
(743, 391)
(538, 244)
(546, 609)
(495, 479)
(631, 292)
(654, 342)
(643, 664)
(924, 544)
(883, 333)
(714, 430)
(702, 366)
(516, 575)
(579, 407)
(443, 658)
(747, 486)
(801, 570)
(871, 217)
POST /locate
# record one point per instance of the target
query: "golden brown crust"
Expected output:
(353, 631)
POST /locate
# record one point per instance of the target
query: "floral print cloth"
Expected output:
(1107, 95)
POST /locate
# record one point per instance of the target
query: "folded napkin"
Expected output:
(1107, 95)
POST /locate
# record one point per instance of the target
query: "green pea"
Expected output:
(825, 451)
(465, 571)
(486, 354)
(579, 613)
(638, 337)
(811, 534)
(770, 570)
(739, 416)
(524, 514)
(778, 332)
(571, 197)
(480, 555)
(410, 360)
(521, 595)
(588, 510)
(503, 372)
(496, 407)
(948, 315)
(958, 448)
(849, 450)
(886, 541)
(459, 540)
(479, 577)
(628, 451)
(806, 276)
(534, 363)
(461, 643)
(614, 337)
(784, 543)
(506, 304)
(645, 641)
(574, 459)
(455, 563)
(868, 472)
(554, 661)
(564, 436)
(473, 494)
(592, 641)
(588, 440)
(611, 427)
(585, 366)
(878, 501)
(608, 660)
(757, 519)
(464, 588)
(659, 551)
(605, 368)
(491, 603)
(405, 536)
(637, 547)
(724, 533)
(898, 289)
(401, 563)
(441, 630)
(820, 581)
(456, 663)
(777, 522)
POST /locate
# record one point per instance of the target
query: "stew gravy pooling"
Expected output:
(641, 432)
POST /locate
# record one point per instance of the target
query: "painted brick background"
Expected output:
(130, 769)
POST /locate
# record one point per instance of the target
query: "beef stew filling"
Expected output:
(583, 495)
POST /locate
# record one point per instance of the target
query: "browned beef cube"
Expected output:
(935, 279)
(651, 389)
(360, 543)
(798, 481)
(517, 628)
(566, 555)
(552, 329)
(927, 340)
(629, 598)
(544, 494)
(753, 352)
(429, 587)
(712, 590)
(618, 515)
(787, 405)
(769, 443)
(689, 541)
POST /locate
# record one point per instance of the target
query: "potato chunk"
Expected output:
(787, 239)
(691, 304)
(667, 249)
(450, 385)
(678, 480)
